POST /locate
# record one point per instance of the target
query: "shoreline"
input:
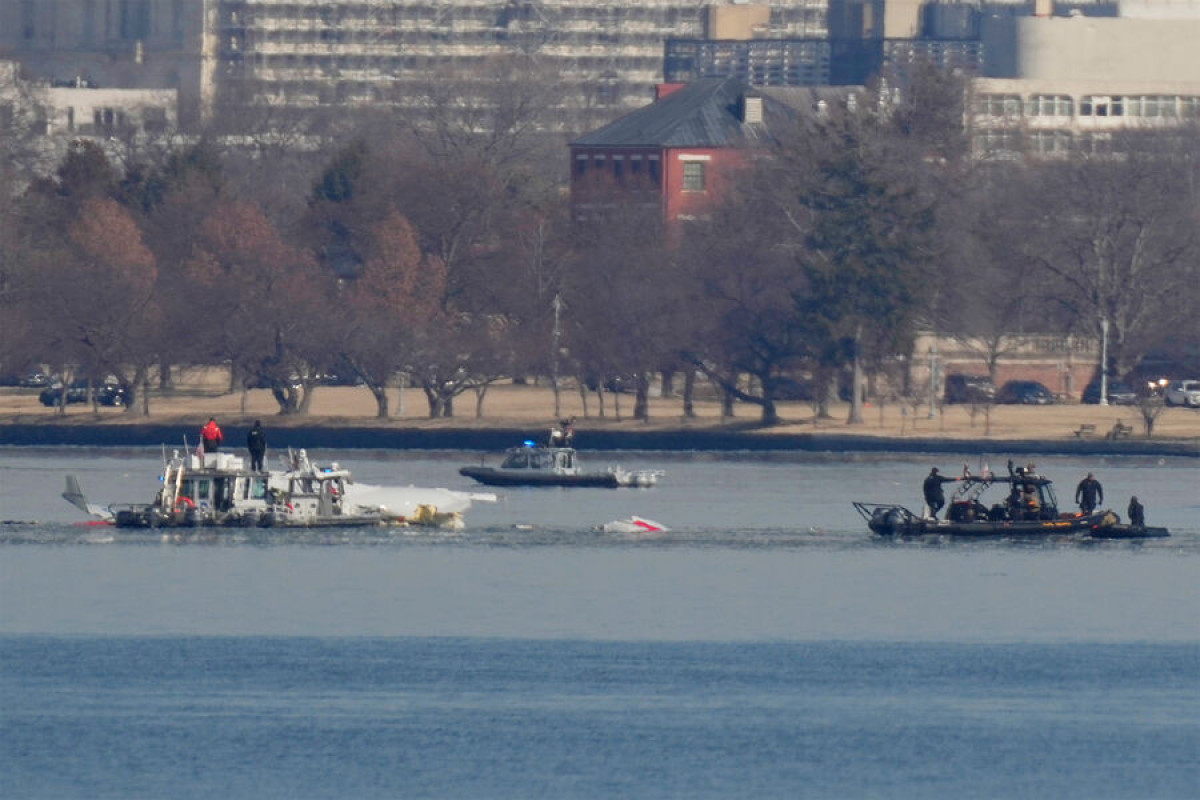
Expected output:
(744, 438)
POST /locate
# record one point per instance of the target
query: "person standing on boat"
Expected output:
(210, 436)
(1137, 513)
(256, 443)
(1089, 494)
(935, 497)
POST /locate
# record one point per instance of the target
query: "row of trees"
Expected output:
(449, 256)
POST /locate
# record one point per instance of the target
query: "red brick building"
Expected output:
(675, 155)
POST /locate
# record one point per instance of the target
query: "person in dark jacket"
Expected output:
(1137, 513)
(935, 497)
(256, 443)
(1089, 494)
(210, 436)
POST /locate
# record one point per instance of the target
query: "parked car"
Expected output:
(35, 380)
(107, 394)
(969, 389)
(1183, 393)
(1030, 393)
(1119, 393)
(28, 380)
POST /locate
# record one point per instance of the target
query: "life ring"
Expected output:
(184, 500)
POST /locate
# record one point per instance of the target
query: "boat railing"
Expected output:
(870, 510)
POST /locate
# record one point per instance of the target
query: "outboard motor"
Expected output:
(886, 521)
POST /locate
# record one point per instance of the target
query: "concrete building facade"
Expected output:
(115, 44)
(304, 54)
(1053, 85)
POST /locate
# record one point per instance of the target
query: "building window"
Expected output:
(655, 168)
(1189, 107)
(1094, 105)
(1051, 142)
(693, 176)
(1094, 143)
(998, 105)
(1001, 144)
(1049, 105)
(619, 169)
(580, 166)
(1151, 106)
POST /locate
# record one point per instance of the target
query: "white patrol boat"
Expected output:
(217, 489)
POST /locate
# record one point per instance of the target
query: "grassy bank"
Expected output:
(511, 412)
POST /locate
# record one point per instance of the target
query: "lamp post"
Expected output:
(1104, 361)
(557, 303)
(933, 381)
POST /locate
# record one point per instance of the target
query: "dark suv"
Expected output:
(1119, 393)
(969, 389)
(1030, 393)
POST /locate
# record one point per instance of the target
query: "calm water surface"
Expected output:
(767, 646)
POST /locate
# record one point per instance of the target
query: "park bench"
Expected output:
(1086, 429)
(1118, 430)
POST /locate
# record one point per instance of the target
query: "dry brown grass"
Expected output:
(203, 394)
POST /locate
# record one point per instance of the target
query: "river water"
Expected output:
(766, 646)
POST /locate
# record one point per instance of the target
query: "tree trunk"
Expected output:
(381, 401)
(856, 412)
(306, 394)
(583, 393)
(480, 394)
(166, 381)
(689, 389)
(641, 400)
(770, 414)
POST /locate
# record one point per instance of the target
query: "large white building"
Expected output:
(1053, 84)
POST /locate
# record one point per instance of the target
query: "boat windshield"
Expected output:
(517, 459)
(196, 489)
(256, 488)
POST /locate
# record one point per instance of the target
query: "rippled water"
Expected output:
(766, 646)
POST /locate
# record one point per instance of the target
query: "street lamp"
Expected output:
(557, 304)
(1104, 361)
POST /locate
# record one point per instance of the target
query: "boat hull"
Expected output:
(898, 521)
(152, 517)
(491, 476)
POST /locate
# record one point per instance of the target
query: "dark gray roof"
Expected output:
(702, 114)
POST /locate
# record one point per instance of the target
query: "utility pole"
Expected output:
(557, 304)
(933, 381)
(1104, 361)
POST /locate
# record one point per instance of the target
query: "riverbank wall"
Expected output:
(748, 438)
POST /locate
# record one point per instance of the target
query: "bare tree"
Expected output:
(1119, 234)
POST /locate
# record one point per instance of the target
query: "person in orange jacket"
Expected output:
(210, 436)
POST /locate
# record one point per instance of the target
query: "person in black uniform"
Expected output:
(935, 497)
(1137, 514)
(256, 443)
(1088, 493)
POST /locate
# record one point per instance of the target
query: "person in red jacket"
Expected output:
(210, 436)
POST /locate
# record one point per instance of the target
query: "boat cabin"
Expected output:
(1029, 497)
(549, 459)
(217, 481)
(222, 492)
